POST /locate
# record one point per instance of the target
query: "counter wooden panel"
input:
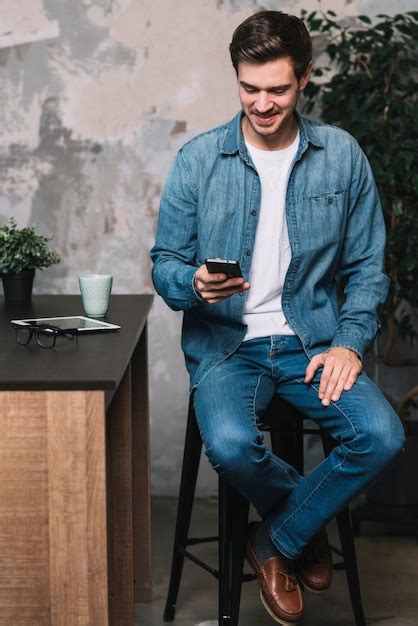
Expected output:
(74, 477)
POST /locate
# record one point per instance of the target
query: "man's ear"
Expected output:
(306, 76)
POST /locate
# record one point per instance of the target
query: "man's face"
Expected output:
(269, 93)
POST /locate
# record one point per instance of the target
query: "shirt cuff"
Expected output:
(352, 343)
(197, 294)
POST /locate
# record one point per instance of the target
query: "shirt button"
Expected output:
(248, 252)
(253, 213)
(330, 200)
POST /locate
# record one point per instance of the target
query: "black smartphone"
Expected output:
(224, 266)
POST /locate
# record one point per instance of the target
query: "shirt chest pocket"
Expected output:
(322, 218)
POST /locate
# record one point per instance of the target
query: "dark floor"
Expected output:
(388, 568)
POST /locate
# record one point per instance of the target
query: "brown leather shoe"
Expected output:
(280, 591)
(314, 566)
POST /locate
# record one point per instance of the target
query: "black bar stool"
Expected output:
(287, 443)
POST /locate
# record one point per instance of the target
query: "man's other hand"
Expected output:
(216, 287)
(341, 368)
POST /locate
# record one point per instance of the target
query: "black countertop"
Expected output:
(97, 361)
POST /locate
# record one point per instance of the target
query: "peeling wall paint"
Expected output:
(25, 22)
(96, 97)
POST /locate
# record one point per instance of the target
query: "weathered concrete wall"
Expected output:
(96, 97)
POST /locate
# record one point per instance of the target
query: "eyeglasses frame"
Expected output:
(45, 329)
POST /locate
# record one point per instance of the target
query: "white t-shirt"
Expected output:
(271, 257)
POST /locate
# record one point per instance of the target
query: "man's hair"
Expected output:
(269, 35)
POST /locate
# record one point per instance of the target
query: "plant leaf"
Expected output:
(365, 18)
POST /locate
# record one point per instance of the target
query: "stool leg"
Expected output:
(345, 532)
(233, 523)
(191, 458)
(350, 562)
(287, 443)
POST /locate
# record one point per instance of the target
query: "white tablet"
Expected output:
(70, 322)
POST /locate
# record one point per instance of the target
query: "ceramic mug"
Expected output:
(95, 292)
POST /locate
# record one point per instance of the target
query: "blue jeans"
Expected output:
(232, 396)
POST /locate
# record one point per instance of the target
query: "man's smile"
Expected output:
(263, 118)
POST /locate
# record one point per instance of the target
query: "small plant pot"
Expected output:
(18, 287)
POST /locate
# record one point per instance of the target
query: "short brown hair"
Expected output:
(269, 35)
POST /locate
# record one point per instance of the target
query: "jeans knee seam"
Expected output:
(284, 469)
(255, 397)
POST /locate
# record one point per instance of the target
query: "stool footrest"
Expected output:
(194, 541)
(339, 566)
(245, 577)
(201, 563)
(336, 551)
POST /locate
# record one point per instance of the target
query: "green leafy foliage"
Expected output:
(23, 249)
(372, 92)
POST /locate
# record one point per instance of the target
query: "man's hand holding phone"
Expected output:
(216, 286)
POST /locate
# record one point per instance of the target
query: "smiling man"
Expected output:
(269, 94)
(294, 201)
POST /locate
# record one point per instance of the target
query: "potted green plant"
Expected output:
(368, 85)
(22, 251)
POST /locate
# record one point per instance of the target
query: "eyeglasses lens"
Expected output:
(46, 340)
(23, 335)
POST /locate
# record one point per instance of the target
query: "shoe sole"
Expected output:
(273, 615)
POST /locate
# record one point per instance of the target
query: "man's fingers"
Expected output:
(329, 379)
(228, 283)
(316, 361)
(336, 394)
(203, 275)
(325, 377)
(216, 287)
(340, 372)
(339, 380)
(222, 293)
(225, 283)
(332, 379)
(206, 277)
(352, 377)
(216, 296)
(225, 287)
(215, 278)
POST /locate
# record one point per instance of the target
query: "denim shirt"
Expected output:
(209, 208)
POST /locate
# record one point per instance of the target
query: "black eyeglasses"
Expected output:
(45, 335)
